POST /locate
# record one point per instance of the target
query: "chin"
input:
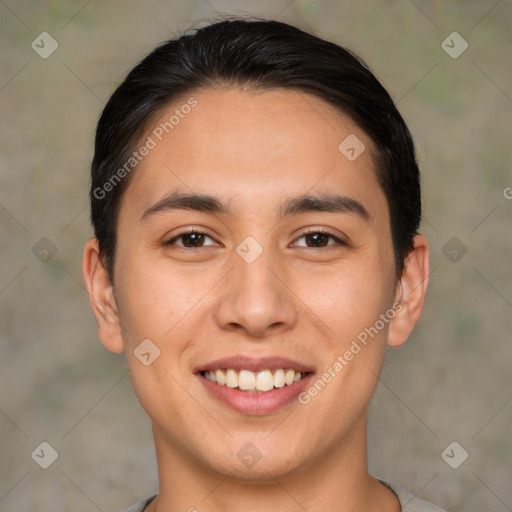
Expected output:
(250, 464)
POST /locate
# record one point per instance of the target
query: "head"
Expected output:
(224, 132)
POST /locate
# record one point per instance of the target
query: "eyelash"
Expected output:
(309, 232)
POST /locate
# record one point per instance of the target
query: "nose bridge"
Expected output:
(256, 298)
(257, 286)
(258, 275)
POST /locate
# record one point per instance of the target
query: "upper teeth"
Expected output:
(250, 381)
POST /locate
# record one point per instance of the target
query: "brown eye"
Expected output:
(191, 239)
(319, 239)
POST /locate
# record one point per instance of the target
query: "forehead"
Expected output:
(255, 144)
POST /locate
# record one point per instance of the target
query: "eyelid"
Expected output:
(308, 231)
(322, 231)
(189, 231)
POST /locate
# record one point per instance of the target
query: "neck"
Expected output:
(336, 481)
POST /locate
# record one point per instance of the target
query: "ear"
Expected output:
(410, 294)
(101, 294)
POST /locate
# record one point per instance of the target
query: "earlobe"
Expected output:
(101, 295)
(410, 293)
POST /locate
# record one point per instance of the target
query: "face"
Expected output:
(289, 266)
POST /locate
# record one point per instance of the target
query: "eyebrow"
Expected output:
(332, 203)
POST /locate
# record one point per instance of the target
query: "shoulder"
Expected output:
(140, 506)
(409, 502)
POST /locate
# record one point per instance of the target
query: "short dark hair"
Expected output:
(258, 54)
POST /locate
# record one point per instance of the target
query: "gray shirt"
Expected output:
(408, 501)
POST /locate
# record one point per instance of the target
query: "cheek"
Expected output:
(157, 305)
(348, 299)
(153, 296)
(351, 303)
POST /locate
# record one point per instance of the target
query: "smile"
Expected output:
(253, 382)
(254, 386)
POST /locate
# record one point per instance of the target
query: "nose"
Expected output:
(256, 300)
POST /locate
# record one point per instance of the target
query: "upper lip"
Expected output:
(254, 364)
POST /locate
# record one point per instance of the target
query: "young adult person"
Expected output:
(255, 199)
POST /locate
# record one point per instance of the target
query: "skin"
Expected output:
(254, 151)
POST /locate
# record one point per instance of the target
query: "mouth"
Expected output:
(253, 382)
(254, 387)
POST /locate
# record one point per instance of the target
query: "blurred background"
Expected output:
(447, 66)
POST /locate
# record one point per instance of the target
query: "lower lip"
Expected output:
(256, 403)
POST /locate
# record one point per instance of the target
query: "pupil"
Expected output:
(318, 237)
(193, 238)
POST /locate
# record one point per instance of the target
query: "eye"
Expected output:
(319, 239)
(190, 239)
(313, 239)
